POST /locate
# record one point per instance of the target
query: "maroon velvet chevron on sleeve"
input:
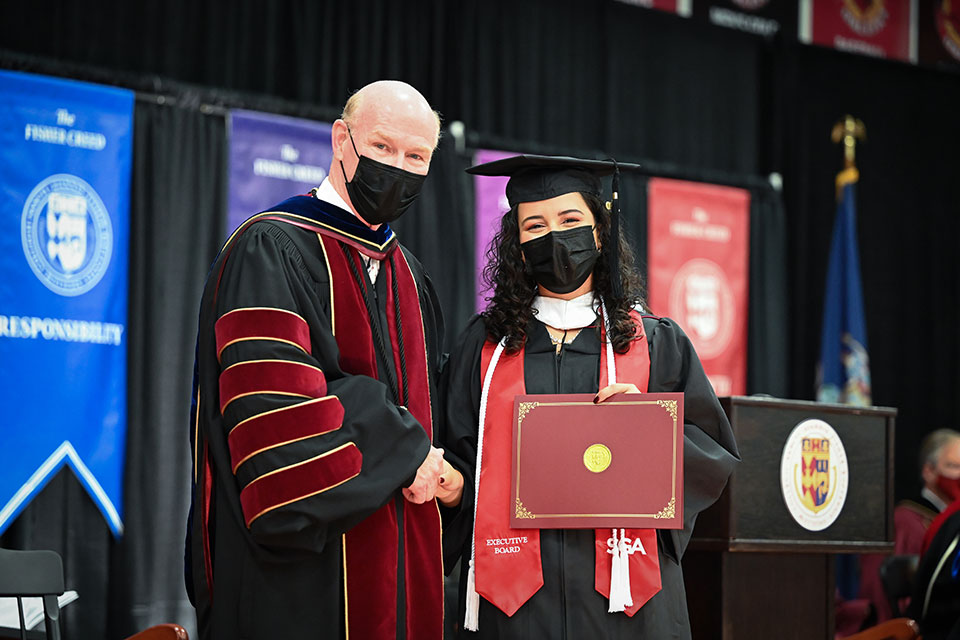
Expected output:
(278, 377)
(260, 323)
(301, 480)
(283, 426)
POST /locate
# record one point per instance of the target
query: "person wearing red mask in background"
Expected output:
(940, 471)
(948, 483)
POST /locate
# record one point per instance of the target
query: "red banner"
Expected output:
(673, 6)
(882, 28)
(698, 272)
(939, 33)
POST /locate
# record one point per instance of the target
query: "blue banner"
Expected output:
(844, 372)
(273, 158)
(65, 155)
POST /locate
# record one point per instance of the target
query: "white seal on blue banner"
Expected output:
(66, 234)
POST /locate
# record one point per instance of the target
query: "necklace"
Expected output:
(567, 337)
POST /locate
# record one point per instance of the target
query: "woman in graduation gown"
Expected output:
(564, 298)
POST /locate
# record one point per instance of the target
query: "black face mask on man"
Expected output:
(380, 193)
(561, 261)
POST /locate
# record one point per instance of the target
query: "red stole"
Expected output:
(508, 580)
(371, 547)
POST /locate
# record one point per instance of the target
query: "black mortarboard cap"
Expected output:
(534, 178)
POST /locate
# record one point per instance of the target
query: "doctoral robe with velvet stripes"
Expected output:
(298, 527)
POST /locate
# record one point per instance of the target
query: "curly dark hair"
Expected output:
(510, 308)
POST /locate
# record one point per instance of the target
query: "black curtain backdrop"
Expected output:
(439, 230)
(769, 325)
(179, 196)
(591, 79)
(177, 204)
(581, 75)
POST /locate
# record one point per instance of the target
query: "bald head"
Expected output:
(392, 99)
(389, 122)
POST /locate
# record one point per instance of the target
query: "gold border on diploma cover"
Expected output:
(669, 509)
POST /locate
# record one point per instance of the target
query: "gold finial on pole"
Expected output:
(849, 130)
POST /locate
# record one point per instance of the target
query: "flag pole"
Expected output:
(847, 131)
(844, 336)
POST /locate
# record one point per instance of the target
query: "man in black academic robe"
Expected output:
(319, 336)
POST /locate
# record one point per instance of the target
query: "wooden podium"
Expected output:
(751, 570)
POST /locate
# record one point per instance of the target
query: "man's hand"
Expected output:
(425, 485)
(614, 389)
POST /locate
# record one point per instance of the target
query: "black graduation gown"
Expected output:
(935, 603)
(282, 577)
(568, 606)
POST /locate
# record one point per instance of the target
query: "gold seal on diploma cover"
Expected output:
(597, 458)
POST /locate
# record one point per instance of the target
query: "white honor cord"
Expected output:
(620, 596)
(611, 364)
(936, 572)
(471, 621)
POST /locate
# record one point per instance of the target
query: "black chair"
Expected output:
(897, 575)
(33, 574)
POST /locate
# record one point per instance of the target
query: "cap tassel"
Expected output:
(620, 596)
(616, 287)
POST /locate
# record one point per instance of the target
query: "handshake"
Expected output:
(435, 479)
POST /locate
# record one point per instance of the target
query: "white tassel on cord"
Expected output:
(615, 567)
(620, 596)
(471, 620)
(625, 572)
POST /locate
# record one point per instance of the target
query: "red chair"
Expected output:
(161, 632)
(896, 629)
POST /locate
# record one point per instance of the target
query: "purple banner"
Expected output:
(271, 159)
(491, 202)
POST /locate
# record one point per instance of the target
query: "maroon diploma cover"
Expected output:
(579, 465)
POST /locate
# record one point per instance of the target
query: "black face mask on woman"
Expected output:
(561, 261)
(380, 193)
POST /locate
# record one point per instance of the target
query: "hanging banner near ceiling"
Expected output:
(271, 159)
(881, 28)
(681, 7)
(65, 156)
(697, 266)
(765, 18)
(938, 24)
(490, 198)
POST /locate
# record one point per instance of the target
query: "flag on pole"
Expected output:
(843, 374)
